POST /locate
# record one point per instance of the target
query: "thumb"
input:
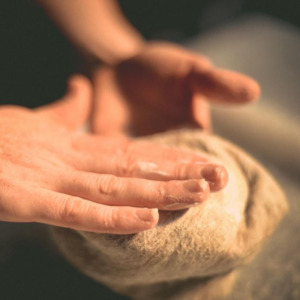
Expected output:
(110, 115)
(201, 112)
(73, 108)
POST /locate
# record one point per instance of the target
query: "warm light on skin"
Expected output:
(163, 87)
(146, 87)
(103, 32)
(51, 173)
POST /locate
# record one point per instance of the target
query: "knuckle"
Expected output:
(108, 185)
(71, 210)
(127, 165)
(131, 165)
(111, 220)
(127, 159)
(179, 171)
(164, 196)
(115, 218)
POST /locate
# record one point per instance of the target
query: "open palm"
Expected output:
(163, 86)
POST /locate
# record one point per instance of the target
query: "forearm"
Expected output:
(97, 27)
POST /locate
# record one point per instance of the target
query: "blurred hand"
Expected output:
(52, 173)
(163, 86)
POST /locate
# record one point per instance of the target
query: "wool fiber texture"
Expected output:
(193, 254)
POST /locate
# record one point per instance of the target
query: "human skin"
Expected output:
(97, 27)
(161, 87)
(53, 173)
(144, 86)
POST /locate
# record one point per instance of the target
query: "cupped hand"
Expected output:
(163, 86)
(50, 172)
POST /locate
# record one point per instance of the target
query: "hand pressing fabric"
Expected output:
(161, 87)
(52, 173)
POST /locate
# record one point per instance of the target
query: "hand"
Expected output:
(52, 173)
(162, 87)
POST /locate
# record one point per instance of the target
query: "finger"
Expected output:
(155, 169)
(201, 112)
(223, 85)
(110, 113)
(73, 109)
(146, 160)
(139, 160)
(77, 213)
(136, 192)
(176, 51)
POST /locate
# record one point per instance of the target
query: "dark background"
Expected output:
(35, 59)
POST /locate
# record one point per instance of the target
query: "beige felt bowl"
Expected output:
(193, 253)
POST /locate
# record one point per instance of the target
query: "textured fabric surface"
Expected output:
(193, 253)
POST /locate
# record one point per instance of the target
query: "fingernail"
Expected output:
(196, 186)
(214, 173)
(147, 215)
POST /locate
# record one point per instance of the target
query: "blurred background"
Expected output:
(35, 58)
(258, 37)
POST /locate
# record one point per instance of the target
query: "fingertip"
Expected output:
(77, 82)
(148, 216)
(135, 220)
(196, 191)
(155, 217)
(216, 176)
(225, 86)
(236, 87)
(222, 177)
(203, 62)
(201, 112)
(205, 188)
(252, 93)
